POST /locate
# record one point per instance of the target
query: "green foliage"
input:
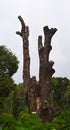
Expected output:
(8, 61)
(8, 66)
(30, 121)
(62, 121)
(18, 100)
(6, 85)
(67, 97)
(8, 122)
(33, 122)
(58, 89)
(67, 94)
(15, 101)
(8, 103)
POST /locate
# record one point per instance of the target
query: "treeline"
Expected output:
(12, 97)
(15, 102)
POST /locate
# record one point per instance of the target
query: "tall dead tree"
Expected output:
(37, 96)
(29, 83)
(26, 58)
(45, 72)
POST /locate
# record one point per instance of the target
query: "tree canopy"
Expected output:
(8, 66)
(8, 61)
(58, 88)
(6, 85)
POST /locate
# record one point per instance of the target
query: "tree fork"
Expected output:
(38, 95)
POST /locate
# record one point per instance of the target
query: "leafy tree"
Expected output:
(6, 86)
(8, 103)
(67, 97)
(8, 61)
(15, 102)
(58, 88)
(8, 66)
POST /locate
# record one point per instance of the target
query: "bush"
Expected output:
(30, 121)
(33, 122)
(62, 121)
(8, 122)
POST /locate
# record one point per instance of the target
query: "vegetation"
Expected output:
(8, 61)
(58, 89)
(8, 66)
(13, 109)
(18, 118)
(6, 87)
(33, 122)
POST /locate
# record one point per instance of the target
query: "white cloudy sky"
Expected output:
(37, 14)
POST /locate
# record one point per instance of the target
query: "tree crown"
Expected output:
(8, 61)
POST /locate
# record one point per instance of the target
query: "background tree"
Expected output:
(6, 87)
(8, 66)
(67, 97)
(8, 61)
(58, 89)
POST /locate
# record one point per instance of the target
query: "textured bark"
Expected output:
(37, 96)
(45, 72)
(29, 83)
(26, 58)
(32, 94)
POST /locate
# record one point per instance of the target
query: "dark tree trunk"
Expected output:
(26, 58)
(29, 83)
(45, 73)
(37, 96)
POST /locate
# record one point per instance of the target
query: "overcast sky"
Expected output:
(37, 14)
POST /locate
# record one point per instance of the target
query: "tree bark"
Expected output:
(37, 96)
(45, 72)
(26, 58)
(29, 83)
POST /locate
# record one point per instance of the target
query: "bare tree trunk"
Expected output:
(29, 83)
(38, 95)
(26, 58)
(45, 72)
